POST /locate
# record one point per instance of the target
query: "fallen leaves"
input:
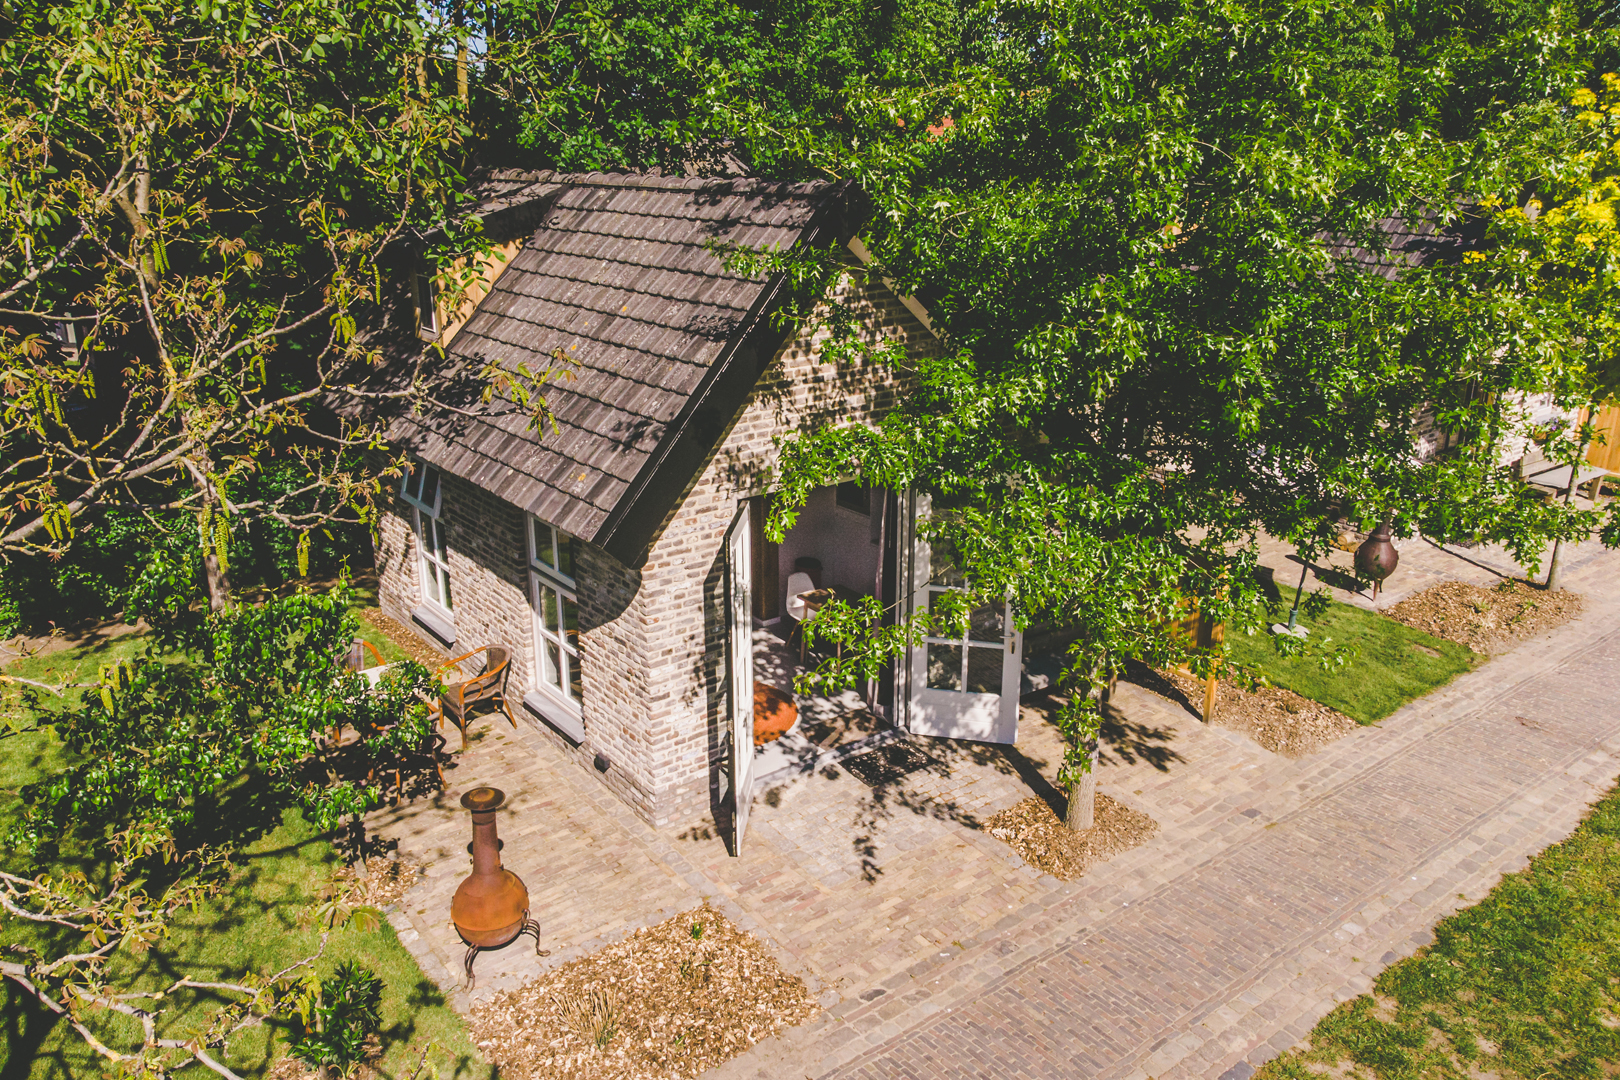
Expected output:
(671, 1000)
(387, 879)
(1281, 721)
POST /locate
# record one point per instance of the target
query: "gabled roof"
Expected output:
(662, 342)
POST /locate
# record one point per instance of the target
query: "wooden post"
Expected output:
(1208, 638)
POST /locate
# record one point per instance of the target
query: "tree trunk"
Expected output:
(1569, 496)
(1081, 813)
(219, 583)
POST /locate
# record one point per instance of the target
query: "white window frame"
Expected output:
(65, 332)
(556, 682)
(433, 560)
(967, 642)
(425, 295)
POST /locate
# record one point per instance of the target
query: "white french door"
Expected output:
(961, 687)
(740, 669)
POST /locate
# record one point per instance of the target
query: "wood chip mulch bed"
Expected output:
(387, 880)
(1483, 619)
(1034, 831)
(671, 1000)
(407, 642)
(1281, 721)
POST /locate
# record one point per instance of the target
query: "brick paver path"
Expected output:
(1220, 943)
(1272, 889)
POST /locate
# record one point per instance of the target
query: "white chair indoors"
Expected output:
(798, 584)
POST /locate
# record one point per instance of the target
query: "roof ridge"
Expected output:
(648, 179)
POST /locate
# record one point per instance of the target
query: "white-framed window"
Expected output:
(556, 611)
(422, 490)
(426, 295)
(65, 333)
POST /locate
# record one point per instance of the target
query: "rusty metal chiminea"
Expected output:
(1377, 558)
(490, 908)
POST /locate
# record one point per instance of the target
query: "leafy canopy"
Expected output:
(197, 203)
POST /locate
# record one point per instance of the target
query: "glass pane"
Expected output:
(542, 542)
(852, 496)
(444, 579)
(570, 611)
(430, 581)
(412, 484)
(984, 671)
(984, 622)
(945, 611)
(548, 657)
(548, 610)
(942, 563)
(576, 686)
(430, 487)
(945, 667)
(565, 554)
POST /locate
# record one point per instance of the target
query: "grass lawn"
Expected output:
(1523, 985)
(1393, 663)
(261, 923)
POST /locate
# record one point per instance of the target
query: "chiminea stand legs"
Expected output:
(529, 926)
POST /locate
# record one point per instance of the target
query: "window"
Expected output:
(970, 663)
(422, 490)
(556, 611)
(856, 497)
(65, 334)
(426, 295)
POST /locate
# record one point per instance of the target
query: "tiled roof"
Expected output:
(619, 279)
(1411, 243)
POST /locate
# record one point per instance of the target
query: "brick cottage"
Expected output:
(618, 551)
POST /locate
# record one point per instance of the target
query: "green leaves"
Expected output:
(162, 740)
(337, 1015)
(1157, 241)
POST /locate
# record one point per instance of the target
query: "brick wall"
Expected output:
(489, 591)
(683, 587)
(652, 642)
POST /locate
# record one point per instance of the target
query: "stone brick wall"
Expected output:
(489, 592)
(652, 641)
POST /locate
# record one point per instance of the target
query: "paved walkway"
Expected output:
(1272, 889)
(1221, 942)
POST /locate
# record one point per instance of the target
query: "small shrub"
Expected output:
(338, 1016)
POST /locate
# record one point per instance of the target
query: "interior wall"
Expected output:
(844, 540)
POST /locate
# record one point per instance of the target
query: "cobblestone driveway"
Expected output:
(1221, 942)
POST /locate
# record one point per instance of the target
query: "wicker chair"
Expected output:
(489, 685)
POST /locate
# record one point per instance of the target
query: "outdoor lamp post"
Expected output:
(490, 908)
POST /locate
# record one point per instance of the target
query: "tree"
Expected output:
(239, 708)
(1156, 238)
(196, 204)
(1558, 256)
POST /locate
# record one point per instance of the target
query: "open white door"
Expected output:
(966, 687)
(740, 670)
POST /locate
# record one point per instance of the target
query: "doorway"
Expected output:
(835, 550)
(849, 542)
